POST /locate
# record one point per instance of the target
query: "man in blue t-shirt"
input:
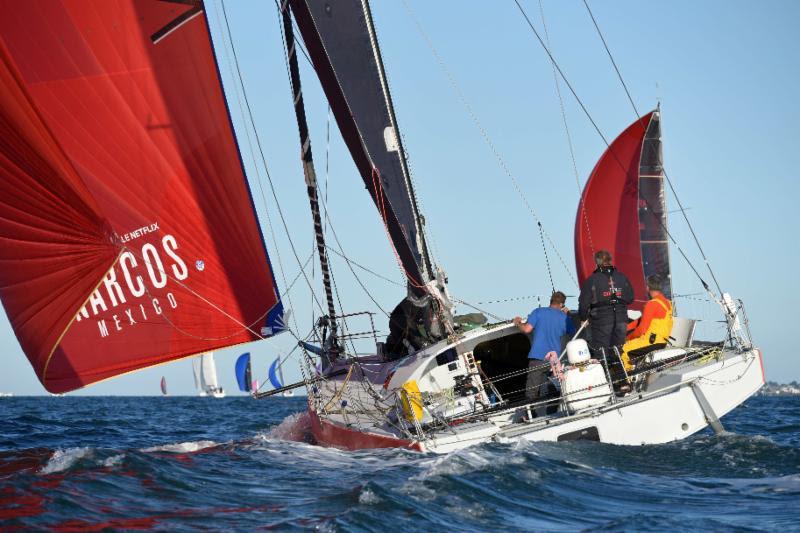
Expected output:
(548, 325)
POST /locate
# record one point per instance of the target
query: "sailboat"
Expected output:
(244, 374)
(205, 376)
(275, 375)
(163, 386)
(130, 212)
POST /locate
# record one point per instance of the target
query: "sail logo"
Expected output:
(132, 278)
(135, 234)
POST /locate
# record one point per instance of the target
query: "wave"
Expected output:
(64, 459)
(182, 447)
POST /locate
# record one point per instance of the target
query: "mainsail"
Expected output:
(127, 231)
(623, 209)
(210, 381)
(341, 41)
(197, 372)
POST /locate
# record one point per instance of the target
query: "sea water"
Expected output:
(184, 463)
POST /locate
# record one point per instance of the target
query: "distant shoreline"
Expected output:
(772, 388)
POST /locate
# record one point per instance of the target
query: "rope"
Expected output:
(253, 158)
(603, 137)
(546, 260)
(261, 152)
(485, 134)
(669, 181)
(566, 130)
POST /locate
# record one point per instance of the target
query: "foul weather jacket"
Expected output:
(607, 291)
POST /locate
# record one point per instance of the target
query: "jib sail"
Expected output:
(127, 232)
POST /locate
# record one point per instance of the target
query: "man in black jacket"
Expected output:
(604, 300)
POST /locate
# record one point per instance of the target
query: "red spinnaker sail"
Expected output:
(608, 213)
(127, 232)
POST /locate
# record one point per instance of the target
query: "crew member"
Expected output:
(603, 301)
(548, 324)
(652, 331)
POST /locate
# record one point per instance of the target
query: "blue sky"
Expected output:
(726, 74)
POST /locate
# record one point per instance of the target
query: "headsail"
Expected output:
(344, 49)
(622, 209)
(273, 375)
(243, 373)
(127, 232)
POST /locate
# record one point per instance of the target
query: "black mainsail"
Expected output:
(340, 38)
(341, 41)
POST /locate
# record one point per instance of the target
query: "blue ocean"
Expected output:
(183, 463)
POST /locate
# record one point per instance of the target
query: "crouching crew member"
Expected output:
(548, 325)
(652, 331)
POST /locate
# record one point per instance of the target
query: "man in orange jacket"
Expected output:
(652, 331)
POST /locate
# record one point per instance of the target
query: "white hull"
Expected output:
(672, 402)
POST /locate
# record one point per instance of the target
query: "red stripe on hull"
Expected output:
(331, 434)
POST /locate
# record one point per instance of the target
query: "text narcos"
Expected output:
(125, 281)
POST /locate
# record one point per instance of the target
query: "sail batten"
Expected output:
(125, 214)
(623, 209)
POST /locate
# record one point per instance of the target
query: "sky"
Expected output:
(472, 88)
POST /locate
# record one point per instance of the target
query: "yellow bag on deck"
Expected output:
(411, 399)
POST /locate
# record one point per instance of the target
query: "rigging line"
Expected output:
(566, 130)
(484, 133)
(229, 41)
(669, 181)
(365, 269)
(603, 137)
(611, 57)
(263, 158)
(546, 260)
(349, 265)
(199, 296)
(491, 315)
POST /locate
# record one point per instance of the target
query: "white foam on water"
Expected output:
(114, 460)
(63, 459)
(182, 447)
(367, 497)
(294, 427)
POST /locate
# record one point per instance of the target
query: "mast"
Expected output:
(310, 176)
(343, 47)
(341, 42)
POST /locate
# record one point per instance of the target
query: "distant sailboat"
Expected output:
(276, 377)
(205, 376)
(244, 374)
(163, 385)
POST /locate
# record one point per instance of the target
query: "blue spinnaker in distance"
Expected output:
(273, 374)
(243, 372)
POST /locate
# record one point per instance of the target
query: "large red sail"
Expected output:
(127, 232)
(608, 213)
